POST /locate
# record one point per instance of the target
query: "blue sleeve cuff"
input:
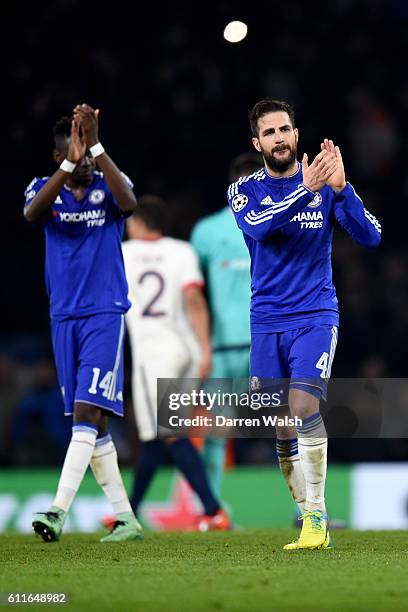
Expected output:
(344, 192)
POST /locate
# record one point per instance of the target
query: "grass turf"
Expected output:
(238, 571)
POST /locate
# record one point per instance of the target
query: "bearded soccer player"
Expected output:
(287, 212)
(82, 211)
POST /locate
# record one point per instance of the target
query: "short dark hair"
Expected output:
(243, 165)
(263, 107)
(62, 129)
(152, 210)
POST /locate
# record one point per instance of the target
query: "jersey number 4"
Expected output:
(323, 365)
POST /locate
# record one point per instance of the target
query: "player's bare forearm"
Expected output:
(117, 183)
(41, 203)
(198, 315)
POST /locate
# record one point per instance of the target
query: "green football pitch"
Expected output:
(238, 571)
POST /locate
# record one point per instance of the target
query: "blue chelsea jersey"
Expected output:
(288, 230)
(84, 267)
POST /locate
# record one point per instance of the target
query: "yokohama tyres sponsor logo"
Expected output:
(93, 217)
(309, 220)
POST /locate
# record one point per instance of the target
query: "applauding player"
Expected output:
(287, 212)
(82, 212)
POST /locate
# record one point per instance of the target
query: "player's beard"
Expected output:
(280, 165)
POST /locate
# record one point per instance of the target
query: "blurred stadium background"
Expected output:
(174, 98)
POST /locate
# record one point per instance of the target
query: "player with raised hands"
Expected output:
(287, 212)
(82, 211)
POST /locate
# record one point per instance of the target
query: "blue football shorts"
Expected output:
(300, 358)
(89, 360)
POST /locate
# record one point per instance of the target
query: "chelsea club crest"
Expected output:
(96, 196)
(317, 200)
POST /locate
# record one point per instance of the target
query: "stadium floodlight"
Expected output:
(235, 31)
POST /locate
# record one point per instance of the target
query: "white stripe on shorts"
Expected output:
(332, 351)
(112, 386)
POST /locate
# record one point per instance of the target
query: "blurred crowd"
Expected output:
(174, 99)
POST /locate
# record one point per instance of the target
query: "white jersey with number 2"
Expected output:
(162, 341)
(157, 272)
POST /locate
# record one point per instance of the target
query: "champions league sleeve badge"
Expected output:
(239, 202)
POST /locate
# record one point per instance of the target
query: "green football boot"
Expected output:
(127, 527)
(49, 524)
